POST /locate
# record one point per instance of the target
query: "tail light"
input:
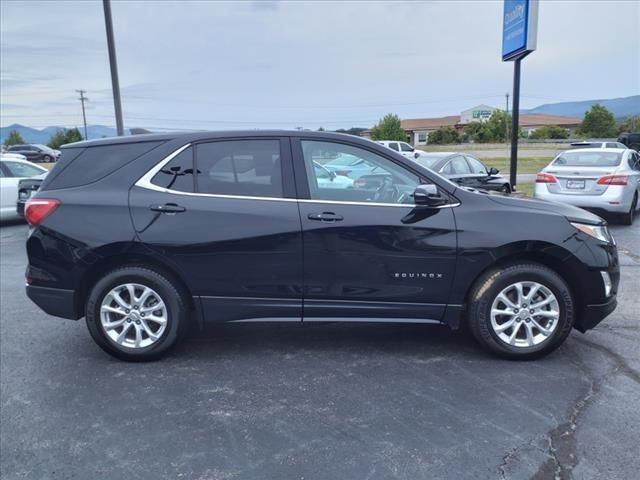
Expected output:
(343, 172)
(613, 180)
(37, 209)
(545, 178)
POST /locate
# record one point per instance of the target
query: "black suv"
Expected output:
(147, 235)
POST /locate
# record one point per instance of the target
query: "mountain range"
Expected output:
(33, 135)
(620, 107)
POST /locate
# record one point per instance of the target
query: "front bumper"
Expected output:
(55, 301)
(592, 315)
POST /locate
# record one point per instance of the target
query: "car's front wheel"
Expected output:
(521, 311)
(136, 313)
(47, 159)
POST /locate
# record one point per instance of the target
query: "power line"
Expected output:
(84, 116)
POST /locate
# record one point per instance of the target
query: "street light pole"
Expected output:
(515, 119)
(113, 64)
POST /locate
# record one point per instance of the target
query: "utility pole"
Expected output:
(115, 83)
(84, 116)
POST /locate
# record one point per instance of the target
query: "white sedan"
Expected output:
(11, 172)
(600, 179)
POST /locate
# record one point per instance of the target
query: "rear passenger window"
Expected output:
(178, 173)
(457, 166)
(239, 167)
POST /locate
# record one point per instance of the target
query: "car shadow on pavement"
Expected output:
(327, 338)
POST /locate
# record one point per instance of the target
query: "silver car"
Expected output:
(600, 179)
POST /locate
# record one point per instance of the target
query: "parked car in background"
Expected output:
(14, 156)
(26, 188)
(155, 240)
(403, 148)
(11, 172)
(465, 170)
(345, 164)
(605, 180)
(328, 179)
(35, 153)
(587, 144)
(630, 140)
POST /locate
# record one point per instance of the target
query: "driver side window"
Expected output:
(404, 147)
(360, 175)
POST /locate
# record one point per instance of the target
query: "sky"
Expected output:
(277, 64)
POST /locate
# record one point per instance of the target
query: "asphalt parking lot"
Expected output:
(316, 402)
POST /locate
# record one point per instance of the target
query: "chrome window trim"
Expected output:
(145, 182)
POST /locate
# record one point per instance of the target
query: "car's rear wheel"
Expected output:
(521, 311)
(136, 313)
(627, 218)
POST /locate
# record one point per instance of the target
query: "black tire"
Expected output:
(489, 286)
(506, 188)
(175, 301)
(627, 218)
(46, 159)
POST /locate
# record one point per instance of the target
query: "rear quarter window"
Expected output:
(81, 166)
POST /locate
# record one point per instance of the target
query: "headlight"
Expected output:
(599, 232)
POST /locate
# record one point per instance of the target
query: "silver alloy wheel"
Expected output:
(133, 315)
(525, 314)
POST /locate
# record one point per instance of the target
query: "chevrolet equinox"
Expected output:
(145, 235)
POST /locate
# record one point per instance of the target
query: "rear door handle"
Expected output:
(167, 208)
(325, 217)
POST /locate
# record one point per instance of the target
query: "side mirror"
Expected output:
(332, 175)
(493, 171)
(416, 155)
(428, 195)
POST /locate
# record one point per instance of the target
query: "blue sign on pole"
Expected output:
(519, 28)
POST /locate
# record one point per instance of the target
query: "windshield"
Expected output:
(588, 159)
(428, 162)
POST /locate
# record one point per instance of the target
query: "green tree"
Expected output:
(357, 131)
(549, 131)
(62, 137)
(14, 138)
(598, 123)
(497, 126)
(630, 125)
(473, 132)
(494, 130)
(444, 136)
(388, 128)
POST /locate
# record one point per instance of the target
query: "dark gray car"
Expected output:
(465, 170)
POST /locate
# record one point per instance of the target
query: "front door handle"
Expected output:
(167, 208)
(325, 217)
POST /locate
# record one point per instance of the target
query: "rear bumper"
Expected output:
(20, 208)
(614, 199)
(55, 301)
